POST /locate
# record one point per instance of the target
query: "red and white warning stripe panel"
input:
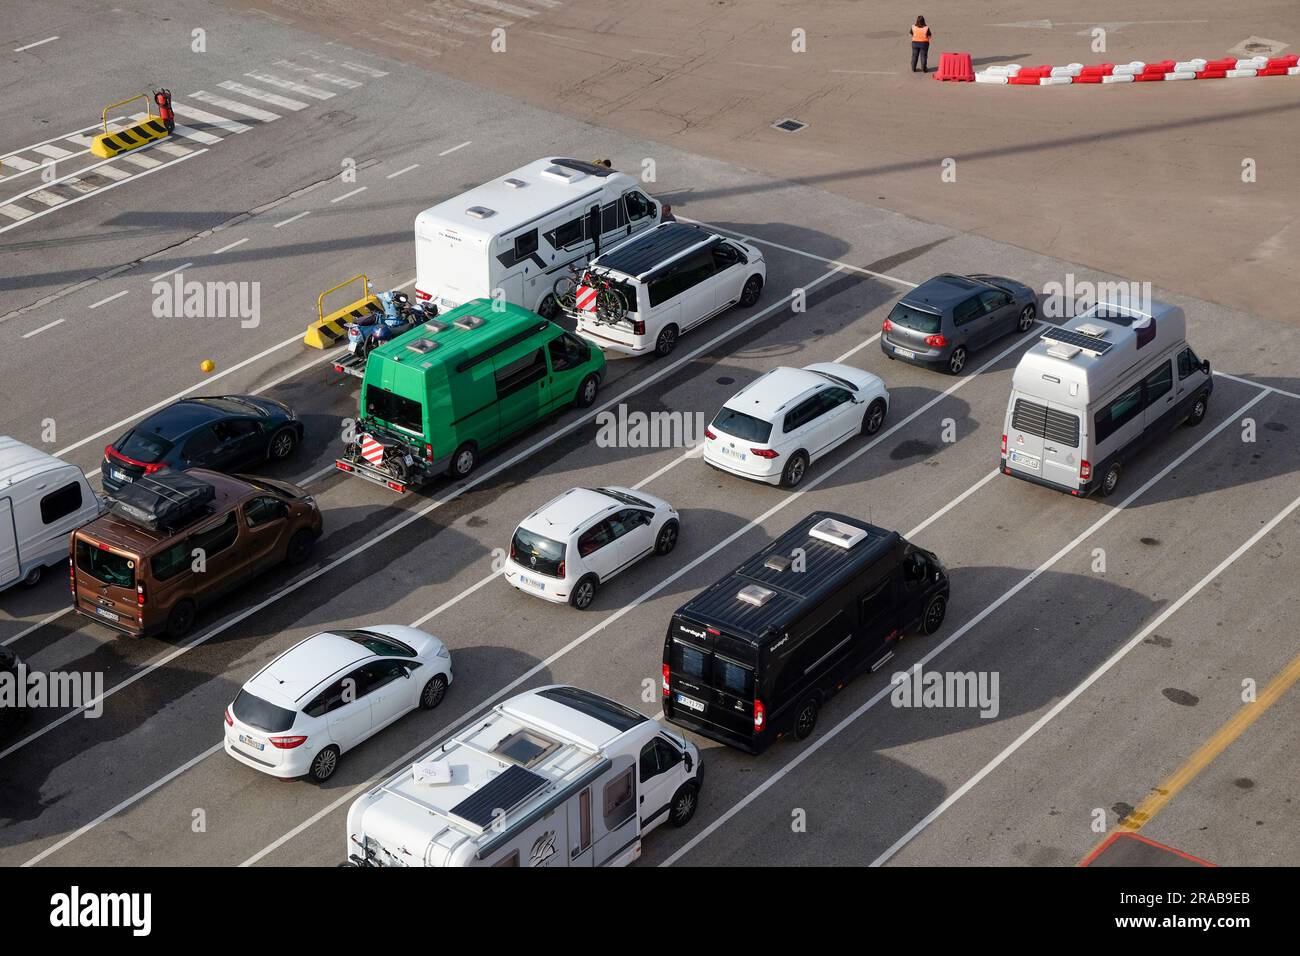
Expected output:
(585, 299)
(1140, 72)
(372, 451)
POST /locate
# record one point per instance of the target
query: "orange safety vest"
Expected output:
(920, 34)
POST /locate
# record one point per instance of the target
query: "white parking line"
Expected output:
(1091, 679)
(291, 219)
(116, 295)
(38, 625)
(38, 331)
(359, 189)
(400, 171)
(964, 629)
(20, 49)
(447, 152)
(164, 275)
(237, 242)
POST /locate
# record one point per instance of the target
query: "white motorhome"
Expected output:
(516, 233)
(556, 776)
(1091, 392)
(42, 500)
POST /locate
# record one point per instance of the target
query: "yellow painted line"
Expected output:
(1208, 751)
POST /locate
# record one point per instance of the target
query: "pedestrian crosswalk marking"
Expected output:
(361, 68)
(144, 162)
(20, 164)
(45, 196)
(292, 87)
(54, 152)
(172, 149)
(212, 119)
(111, 172)
(243, 109)
(253, 92)
(15, 212)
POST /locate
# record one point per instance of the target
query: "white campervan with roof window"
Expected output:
(516, 233)
(556, 776)
(1091, 392)
(43, 499)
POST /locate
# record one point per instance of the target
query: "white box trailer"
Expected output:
(511, 238)
(43, 499)
(557, 776)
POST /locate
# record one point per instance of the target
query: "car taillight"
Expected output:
(1085, 470)
(886, 326)
(139, 594)
(150, 469)
(767, 453)
(514, 550)
(287, 743)
(638, 327)
(422, 296)
(937, 341)
(72, 580)
(559, 571)
(760, 715)
(665, 683)
(710, 434)
(428, 452)
(1004, 444)
(230, 721)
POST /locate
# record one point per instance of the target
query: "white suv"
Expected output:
(328, 693)
(784, 420)
(672, 278)
(570, 546)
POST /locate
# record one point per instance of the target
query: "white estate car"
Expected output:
(566, 549)
(672, 278)
(331, 691)
(776, 426)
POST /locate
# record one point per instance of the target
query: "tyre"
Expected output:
(794, 470)
(323, 767)
(753, 289)
(1026, 320)
(33, 577)
(549, 308)
(1199, 408)
(667, 340)
(667, 539)
(300, 547)
(805, 719)
(685, 800)
(586, 396)
(464, 461)
(1110, 481)
(434, 691)
(397, 467)
(180, 619)
(584, 592)
(935, 612)
(957, 360)
(874, 418)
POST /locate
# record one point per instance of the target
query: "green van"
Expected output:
(434, 398)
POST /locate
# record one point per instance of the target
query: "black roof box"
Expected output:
(164, 501)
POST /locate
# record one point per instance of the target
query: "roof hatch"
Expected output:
(515, 183)
(480, 212)
(468, 322)
(563, 174)
(755, 595)
(837, 533)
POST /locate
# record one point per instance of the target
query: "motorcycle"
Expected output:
(399, 315)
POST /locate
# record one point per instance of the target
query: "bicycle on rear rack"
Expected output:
(585, 290)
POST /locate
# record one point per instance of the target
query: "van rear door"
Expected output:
(711, 678)
(106, 582)
(1043, 440)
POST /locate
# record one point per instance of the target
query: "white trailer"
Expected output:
(43, 499)
(556, 776)
(511, 238)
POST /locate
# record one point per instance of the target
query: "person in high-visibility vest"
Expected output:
(920, 44)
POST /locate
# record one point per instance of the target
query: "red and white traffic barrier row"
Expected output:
(1138, 72)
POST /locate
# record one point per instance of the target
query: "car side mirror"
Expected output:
(406, 672)
(686, 759)
(1205, 366)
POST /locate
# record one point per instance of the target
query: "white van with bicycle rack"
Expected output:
(556, 776)
(1092, 391)
(43, 499)
(667, 281)
(509, 238)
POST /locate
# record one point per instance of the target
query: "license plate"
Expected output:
(733, 453)
(906, 353)
(248, 741)
(532, 583)
(1019, 459)
(118, 475)
(689, 704)
(104, 612)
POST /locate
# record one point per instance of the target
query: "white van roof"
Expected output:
(522, 195)
(19, 462)
(1086, 356)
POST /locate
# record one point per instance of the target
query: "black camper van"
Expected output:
(755, 655)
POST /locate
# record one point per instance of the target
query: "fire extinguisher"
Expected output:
(164, 100)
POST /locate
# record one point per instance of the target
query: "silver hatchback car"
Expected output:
(944, 319)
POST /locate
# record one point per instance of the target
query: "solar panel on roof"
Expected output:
(502, 794)
(663, 242)
(1086, 342)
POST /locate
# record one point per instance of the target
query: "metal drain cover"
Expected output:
(788, 125)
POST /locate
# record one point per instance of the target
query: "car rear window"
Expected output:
(261, 714)
(536, 552)
(105, 566)
(732, 677)
(915, 319)
(143, 446)
(742, 426)
(394, 409)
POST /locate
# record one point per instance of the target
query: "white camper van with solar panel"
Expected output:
(556, 776)
(1087, 396)
(511, 237)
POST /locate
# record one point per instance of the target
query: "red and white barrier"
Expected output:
(1139, 72)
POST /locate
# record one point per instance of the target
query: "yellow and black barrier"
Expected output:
(151, 128)
(328, 329)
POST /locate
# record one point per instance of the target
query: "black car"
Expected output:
(223, 433)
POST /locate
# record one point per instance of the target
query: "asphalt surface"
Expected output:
(1110, 681)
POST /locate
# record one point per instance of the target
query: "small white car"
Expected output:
(566, 549)
(788, 418)
(331, 691)
(672, 278)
